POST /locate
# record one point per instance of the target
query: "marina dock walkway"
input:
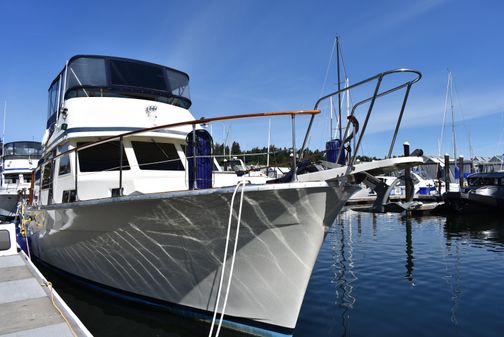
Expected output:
(28, 305)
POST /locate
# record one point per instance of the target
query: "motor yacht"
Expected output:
(127, 197)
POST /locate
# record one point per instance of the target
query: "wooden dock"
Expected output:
(28, 304)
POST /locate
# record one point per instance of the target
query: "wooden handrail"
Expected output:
(191, 122)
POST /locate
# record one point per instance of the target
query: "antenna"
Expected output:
(450, 81)
(441, 138)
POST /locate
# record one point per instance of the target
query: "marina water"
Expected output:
(376, 275)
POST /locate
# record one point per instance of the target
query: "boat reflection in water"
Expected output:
(478, 230)
(387, 274)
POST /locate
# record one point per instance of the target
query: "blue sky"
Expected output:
(248, 56)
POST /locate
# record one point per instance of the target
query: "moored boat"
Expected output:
(484, 193)
(127, 198)
(18, 161)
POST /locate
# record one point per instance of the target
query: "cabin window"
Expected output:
(27, 177)
(64, 165)
(89, 72)
(137, 75)
(157, 156)
(5, 243)
(64, 162)
(11, 178)
(47, 175)
(54, 91)
(102, 157)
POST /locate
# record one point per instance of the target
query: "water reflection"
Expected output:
(342, 268)
(409, 251)
(373, 257)
(479, 229)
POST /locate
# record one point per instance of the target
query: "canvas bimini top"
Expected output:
(106, 76)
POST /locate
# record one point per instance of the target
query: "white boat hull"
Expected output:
(169, 246)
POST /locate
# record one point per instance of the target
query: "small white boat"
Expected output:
(422, 186)
(121, 202)
(18, 161)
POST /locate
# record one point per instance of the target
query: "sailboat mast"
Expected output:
(339, 87)
(454, 140)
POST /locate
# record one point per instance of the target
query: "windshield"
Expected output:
(22, 150)
(93, 76)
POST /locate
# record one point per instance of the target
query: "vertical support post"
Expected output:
(76, 173)
(370, 108)
(405, 100)
(307, 134)
(447, 172)
(294, 163)
(407, 173)
(461, 172)
(195, 175)
(120, 166)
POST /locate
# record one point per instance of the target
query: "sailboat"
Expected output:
(449, 107)
(126, 198)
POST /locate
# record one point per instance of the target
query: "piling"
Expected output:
(407, 173)
(461, 172)
(447, 172)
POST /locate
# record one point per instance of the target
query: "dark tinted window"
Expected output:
(64, 165)
(88, 72)
(47, 175)
(53, 102)
(5, 243)
(23, 149)
(27, 177)
(64, 162)
(11, 178)
(157, 156)
(103, 157)
(111, 77)
(137, 75)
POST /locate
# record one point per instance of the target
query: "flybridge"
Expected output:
(104, 76)
(21, 150)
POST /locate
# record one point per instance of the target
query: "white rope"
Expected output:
(241, 183)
